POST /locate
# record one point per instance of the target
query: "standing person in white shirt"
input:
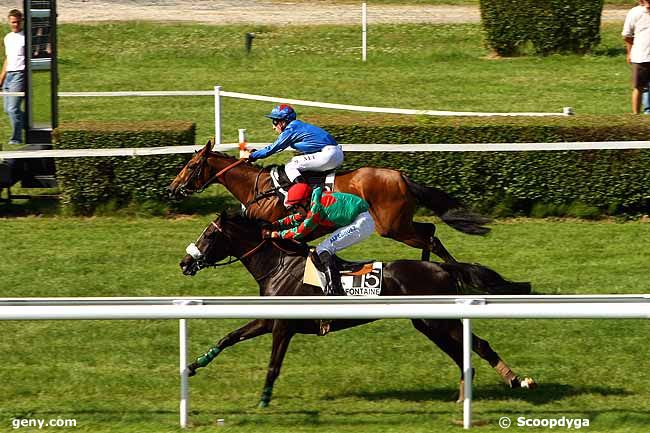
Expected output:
(636, 32)
(12, 78)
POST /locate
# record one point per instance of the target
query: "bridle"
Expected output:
(197, 171)
(199, 257)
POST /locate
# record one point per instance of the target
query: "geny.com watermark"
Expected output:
(562, 422)
(17, 423)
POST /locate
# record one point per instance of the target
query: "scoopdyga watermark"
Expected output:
(547, 423)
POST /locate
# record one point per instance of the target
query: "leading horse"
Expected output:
(278, 268)
(392, 197)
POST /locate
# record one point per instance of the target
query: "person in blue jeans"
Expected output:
(12, 78)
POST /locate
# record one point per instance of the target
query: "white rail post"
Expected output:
(364, 31)
(185, 384)
(467, 363)
(467, 373)
(217, 115)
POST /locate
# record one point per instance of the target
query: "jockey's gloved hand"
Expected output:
(267, 233)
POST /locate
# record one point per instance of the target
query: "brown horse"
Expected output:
(392, 196)
(278, 266)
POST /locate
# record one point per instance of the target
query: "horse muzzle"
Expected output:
(176, 192)
(189, 266)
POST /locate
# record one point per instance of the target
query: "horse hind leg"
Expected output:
(438, 332)
(512, 379)
(483, 349)
(427, 231)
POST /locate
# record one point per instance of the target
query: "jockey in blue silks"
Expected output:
(319, 150)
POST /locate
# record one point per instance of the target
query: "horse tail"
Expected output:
(451, 211)
(472, 278)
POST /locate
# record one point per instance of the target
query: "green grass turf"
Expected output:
(122, 375)
(442, 67)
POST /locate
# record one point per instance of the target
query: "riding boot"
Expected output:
(299, 179)
(316, 261)
(332, 275)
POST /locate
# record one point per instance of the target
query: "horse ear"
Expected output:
(209, 145)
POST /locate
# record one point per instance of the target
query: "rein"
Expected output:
(257, 196)
(243, 256)
(221, 172)
(198, 256)
(213, 178)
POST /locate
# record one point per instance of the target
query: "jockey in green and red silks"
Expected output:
(347, 213)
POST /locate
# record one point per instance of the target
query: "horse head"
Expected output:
(194, 176)
(236, 236)
(229, 235)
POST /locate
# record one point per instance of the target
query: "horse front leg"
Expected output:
(283, 331)
(250, 330)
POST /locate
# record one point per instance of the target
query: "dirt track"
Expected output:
(262, 12)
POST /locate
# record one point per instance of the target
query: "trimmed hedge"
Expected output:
(92, 182)
(551, 26)
(505, 183)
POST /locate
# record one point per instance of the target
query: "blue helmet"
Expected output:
(283, 112)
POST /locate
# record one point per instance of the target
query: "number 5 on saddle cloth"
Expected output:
(358, 279)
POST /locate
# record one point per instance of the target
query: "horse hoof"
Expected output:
(528, 383)
(263, 404)
(191, 369)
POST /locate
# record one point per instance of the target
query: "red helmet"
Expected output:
(298, 193)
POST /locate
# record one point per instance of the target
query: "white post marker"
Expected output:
(217, 115)
(184, 408)
(364, 31)
(467, 373)
(467, 363)
(185, 392)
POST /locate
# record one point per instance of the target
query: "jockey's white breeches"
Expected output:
(360, 229)
(327, 159)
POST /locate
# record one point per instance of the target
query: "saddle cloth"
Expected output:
(364, 280)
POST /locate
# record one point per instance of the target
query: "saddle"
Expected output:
(353, 268)
(313, 178)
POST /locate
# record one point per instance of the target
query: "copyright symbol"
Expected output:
(504, 422)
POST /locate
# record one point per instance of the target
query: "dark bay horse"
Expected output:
(278, 268)
(393, 198)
